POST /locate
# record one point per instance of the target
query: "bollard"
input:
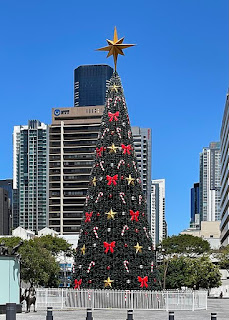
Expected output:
(213, 316)
(130, 315)
(171, 315)
(49, 314)
(11, 311)
(89, 314)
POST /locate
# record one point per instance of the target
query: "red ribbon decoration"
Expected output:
(113, 116)
(134, 215)
(88, 216)
(109, 246)
(99, 151)
(77, 284)
(143, 281)
(126, 149)
(112, 180)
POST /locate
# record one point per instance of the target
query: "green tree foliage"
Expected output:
(38, 264)
(54, 244)
(10, 242)
(185, 244)
(191, 272)
(223, 257)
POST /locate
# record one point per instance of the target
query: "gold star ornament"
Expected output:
(83, 249)
(94, 181)
(112, 148)
(115, 47)
(130, 180)
(108, 282)
(111, 214)
(138, 248)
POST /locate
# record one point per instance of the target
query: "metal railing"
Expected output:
(117, 299)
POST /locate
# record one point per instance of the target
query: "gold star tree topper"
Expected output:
(115, 47)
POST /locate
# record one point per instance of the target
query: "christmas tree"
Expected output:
(115, 247)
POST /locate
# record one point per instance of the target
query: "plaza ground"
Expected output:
(220, 306)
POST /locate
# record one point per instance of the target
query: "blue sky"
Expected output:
(175, 80)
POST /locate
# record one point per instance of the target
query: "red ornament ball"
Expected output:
(97, 164)
(110, 196)
(122, 177)
(86, 233)
(155, 280)
(112, 132)
(128, 165)
(89, 281)
(136, 230)
(108, 267)
(143, 214)
(125, 245)
(98, 214)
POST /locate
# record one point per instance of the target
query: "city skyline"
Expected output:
(181, 97)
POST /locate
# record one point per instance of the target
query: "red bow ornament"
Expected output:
(88, 216)
(77, 284)
(113, 116)
(99, 151)
(109, 246)
(143, 281)
(112, 180)
(134, 215)
(126, 149)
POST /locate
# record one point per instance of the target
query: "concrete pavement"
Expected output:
(220, 306)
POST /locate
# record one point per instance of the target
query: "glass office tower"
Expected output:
(90, 84)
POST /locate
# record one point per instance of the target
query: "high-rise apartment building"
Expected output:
(4, 212)
(210, 183)
(224, 227)
(158, 222)
(143, 149)
(30, 175)
(195, 206)
(72, 141)
(90, 84)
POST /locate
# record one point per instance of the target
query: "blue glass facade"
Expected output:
(90, 84)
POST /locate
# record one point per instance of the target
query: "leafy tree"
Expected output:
(185, 244)
(55, 245)
(191, 272)
(38, 264)
(223, 257)
(10, 242)
(207, 274)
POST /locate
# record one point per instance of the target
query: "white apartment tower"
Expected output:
(224, 227)
(210, 183)
(30, 175)
(158, 223)
(142, 145)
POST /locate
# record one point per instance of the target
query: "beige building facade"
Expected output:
(73, 136)
(209, 230)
